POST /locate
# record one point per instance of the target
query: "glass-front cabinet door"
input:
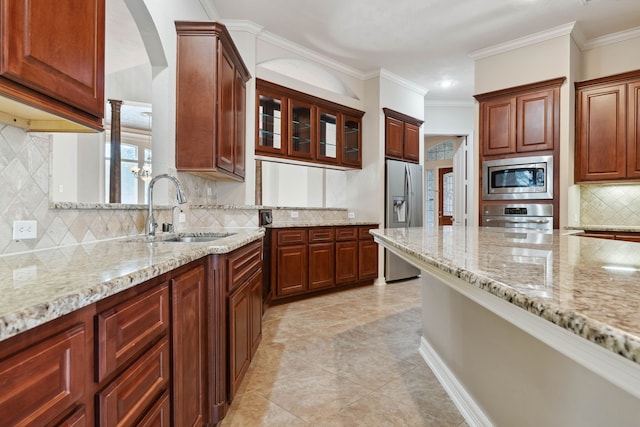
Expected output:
(351, 141)
(271, 124)
(328, 136)
(301, 129)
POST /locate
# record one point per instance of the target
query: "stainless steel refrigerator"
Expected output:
(403, 195)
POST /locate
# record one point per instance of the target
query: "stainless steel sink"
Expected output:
(196, 239)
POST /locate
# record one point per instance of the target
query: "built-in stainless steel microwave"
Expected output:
(518, 178)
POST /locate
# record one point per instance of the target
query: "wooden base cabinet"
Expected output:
(305, 261)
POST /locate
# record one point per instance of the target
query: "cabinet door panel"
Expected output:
(498, 126)
(226, 111)
(321, 265)
(240, 107)
(41, 382)
(301, 129)
(346, 262)
(633, 135)
(411, 142)
(394, 138)
(601, 128)
(271, 123)
(129, 328)
(329, 137)
(67, 61)
(535, 121)
(159, 415)
(130, 396)
(255, 289)
(367, 259)
(351, 141)
(239, 337)
(291, 275)
(188, 294)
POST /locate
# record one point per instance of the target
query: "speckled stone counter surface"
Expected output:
(614, 228)
(590, 287)
(293, 224)
(40, 286)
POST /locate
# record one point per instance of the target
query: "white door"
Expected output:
(460, 182)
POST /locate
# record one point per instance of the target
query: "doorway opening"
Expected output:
(445, 180)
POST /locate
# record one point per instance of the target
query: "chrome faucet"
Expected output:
(180, 196)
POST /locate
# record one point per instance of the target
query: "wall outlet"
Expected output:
(182, 217)
(25, 230)
(351, 215)
(294, 214)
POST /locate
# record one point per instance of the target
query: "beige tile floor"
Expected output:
(345, 359)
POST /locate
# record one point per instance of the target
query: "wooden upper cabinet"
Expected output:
(296, 126)
(601, 142)
(607, 128)
(52, 57)
(498, 123)
(521, 119)
(210, 102)
(402, 136)
(394, 137)
(633, 130)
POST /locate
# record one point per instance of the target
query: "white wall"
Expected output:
(611, 58)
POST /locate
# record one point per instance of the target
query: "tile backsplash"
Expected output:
(610, 204)
(24, 195)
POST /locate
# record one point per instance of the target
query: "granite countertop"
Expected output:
(293, 224)
(42, 285)
(612, 228)
(587, 286)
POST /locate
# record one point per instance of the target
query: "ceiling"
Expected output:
(424, 41)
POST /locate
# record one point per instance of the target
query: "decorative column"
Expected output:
(114, 170)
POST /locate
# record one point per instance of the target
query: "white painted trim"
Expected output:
(297, 49)
(470, 410)
(242, 25)
(611, 366)
(612, 38)
(383, 73)
(521, 42)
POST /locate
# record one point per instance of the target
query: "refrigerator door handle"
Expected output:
(407, 189)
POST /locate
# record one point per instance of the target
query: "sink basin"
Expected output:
(196, 239)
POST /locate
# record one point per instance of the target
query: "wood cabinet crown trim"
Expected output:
(401, 116)
(518, 90)
(199, 28)
(622, 78)
(302, 96)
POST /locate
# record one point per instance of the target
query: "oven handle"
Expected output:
(510, 221)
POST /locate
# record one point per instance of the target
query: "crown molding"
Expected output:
(529, 40)
(612, 38)
(396, 79)
(242, 25)
(297, 49)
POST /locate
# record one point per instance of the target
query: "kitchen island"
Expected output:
(529, 327)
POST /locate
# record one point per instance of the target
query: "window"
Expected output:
(133, 152)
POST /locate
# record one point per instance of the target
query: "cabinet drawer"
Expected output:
(321, 235)
(292, 237)
(346, 233)
(244, 262)
(41, 382)
(129, 328)
(363, 232)
(131, 395)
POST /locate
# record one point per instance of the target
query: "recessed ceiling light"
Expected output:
(445, 83)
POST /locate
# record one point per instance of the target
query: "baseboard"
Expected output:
(472, 413)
